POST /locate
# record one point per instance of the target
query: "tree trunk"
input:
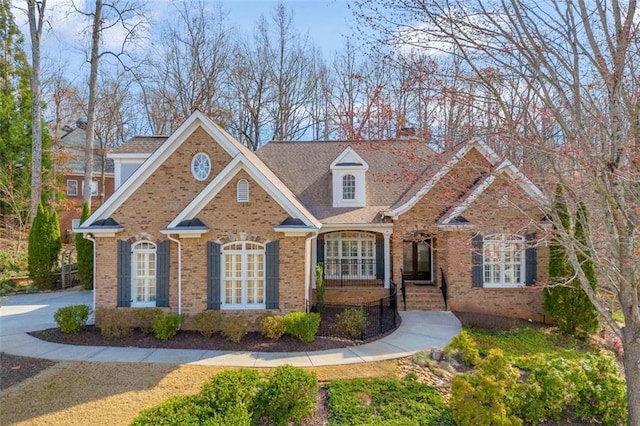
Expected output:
(36, 15)
(91, 109)
(631, 363)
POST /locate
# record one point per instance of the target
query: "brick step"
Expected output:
(423, 299)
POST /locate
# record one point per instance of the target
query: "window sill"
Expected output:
(499, 285)
(143, 304)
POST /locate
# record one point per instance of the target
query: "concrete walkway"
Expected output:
(22, 313)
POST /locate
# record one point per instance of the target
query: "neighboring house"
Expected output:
(204, 223)
(70, 167)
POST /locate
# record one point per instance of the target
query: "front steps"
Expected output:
(422, 298)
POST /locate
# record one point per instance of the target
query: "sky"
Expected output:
(327, 23)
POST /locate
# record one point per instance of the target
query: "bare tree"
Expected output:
(35, 13)
(563, 78)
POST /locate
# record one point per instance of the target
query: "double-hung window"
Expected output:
(350, 255)
(348, 187)
(243, 273)
(503, 260)
(143, 265)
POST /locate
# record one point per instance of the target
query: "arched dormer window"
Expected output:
(242, 190)
(348, 187)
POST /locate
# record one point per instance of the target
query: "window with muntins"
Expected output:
(143, 273)
(348, 187)
(243, 191)
(72, 188)
(350, 255)
(503, 260)
(200, 166)
(243, 275)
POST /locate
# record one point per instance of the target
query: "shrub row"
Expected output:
(301, 325)
(241, 397)
(588, 390)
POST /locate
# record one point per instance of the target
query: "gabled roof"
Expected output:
(506, 167)
(349, 159)
(305, 167)
(418, 191)
(138, 145)
(274, 188)
(236, 150)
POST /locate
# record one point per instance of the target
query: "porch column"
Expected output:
(387, 259)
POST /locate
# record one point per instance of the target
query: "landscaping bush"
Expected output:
(302, 325)
(178, 410)
(232, 391)
(481, 398)
(72, 319)
(206, 323)
(44, 246)
(272, 326)
(288, 395)
(464, 345)
(84, 248)
(234, 328)
(165, 326)
(143, 318)
(114, 323)
(351, 323)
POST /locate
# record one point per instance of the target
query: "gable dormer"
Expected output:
(348, 172)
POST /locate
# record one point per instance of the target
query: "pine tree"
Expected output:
(44, 247)
(84, 249)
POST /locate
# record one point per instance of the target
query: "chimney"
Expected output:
(406, 133)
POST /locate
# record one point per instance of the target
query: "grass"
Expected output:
(618, 316)
(386, 402)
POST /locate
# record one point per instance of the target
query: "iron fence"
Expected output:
(359, 321)
(351, 273)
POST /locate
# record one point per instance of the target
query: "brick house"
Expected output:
(70, 153)
(204, 223)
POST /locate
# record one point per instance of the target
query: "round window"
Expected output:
(200, 166)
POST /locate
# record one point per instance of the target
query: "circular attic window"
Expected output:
(200, 166)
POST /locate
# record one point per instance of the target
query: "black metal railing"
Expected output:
(443, 288)
(403, 289)
(351, 273)
(378, 317)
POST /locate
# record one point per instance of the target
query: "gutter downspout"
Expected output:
(90, 238)
(179, 272)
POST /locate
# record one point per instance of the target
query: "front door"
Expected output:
(418, 260)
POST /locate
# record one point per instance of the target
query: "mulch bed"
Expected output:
(252, 342)
(15, 369)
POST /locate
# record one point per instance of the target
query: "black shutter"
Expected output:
(163, 262)
(320, 249)
(124, 274)
(531, 260)
(379, 257)
(272, 274)
(214, 257)
(477, 273)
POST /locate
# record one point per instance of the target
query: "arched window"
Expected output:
(243, 275)
(242, 189)
(348, 187)
(143, 273)
(503, 260)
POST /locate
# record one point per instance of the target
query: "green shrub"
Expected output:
(601, 391)
(481, 398)
(166, 326)
(13, 263)
(44, 247)
(114, 323)
(72, 319)
(178, 410)
(84, 248)
(143, 318)
(206, 323)
(464, 345)
(272, 326)
(289, 395)
(229, 390)
(234, 328)
(548, 389)
(351, 323)
(302, 325)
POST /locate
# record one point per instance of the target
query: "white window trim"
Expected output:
(503, 239)
(73, 193)
(242, 191)
(195, 172)
(243, 258)
(359, 237)
(134, 287)
(352, 181)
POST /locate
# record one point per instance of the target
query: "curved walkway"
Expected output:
(23, 313)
